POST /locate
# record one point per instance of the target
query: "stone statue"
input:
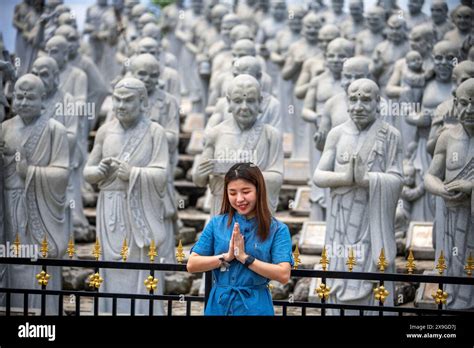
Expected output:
(351, 27)
(389, 51)
(362, 165)
(163, 108)
(36, 161)
(129, 163)
(415, 15)
(94, 15)
(440, 22)
(153, 31)
(336, 14)
(451, 176)
(298, 52)
(241, 138)
(323, 87)
(369, 38)
(462, 17)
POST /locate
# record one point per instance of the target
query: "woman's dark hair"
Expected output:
(251, 173)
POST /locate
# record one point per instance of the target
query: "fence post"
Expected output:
(207, 286)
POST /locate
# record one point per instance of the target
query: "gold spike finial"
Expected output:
(410, 266)
(44, 247)
(17, 244)
(441, 266)
(180, 254)
(152, 252)
(469, 265)
(351, 262)
(324, 259)
(382, 264)
(296, 257)
(97, 250)
(124, 251)
(70, 247)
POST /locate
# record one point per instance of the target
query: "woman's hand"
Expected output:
(239, 245)
(230, 255)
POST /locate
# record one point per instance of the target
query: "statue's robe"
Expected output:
(131, 209)
(262, 145)
(35, 207)
(364, 217)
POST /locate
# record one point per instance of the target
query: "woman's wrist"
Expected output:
(226, 257)
(241, 257)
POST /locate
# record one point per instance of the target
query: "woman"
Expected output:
(244, 246)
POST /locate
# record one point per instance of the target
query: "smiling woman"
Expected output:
(244, 246)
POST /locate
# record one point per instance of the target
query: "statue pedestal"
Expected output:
(420, 239)
(312, 237)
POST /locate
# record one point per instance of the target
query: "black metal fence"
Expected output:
(159, 267)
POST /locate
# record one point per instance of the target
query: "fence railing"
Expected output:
(323, 291)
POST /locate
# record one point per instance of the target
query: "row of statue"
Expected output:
(380, 102)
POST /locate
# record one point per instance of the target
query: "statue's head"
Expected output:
(28, 97)
(130, 100)
(462, 17)
(415, 6)
(144, 19)
(312, 23)
(338, 51)
(72, 37)
(248, 65)
(337, 5)
(409, 173)
(295, 18)
(278, 9)
(396, 29)
(353, 69)
(137, 11)
(151, 30)
(422, 38)
(217, 13)
(439, 11)
(327, 33)
(197, 6)
(243, 47)
(462, 72)
(375, 18)
(445, 54)
(244, 99)
(58, 48)
(67, 18)
(146, 68)
(363, 102)
(128, 5)
(229, 21)
(414, 61)
(356, 9)
(239, 32)
(102, 2)
(464, 103)
(148, 45)
(47, 70)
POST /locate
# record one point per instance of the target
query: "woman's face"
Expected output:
(242, 197)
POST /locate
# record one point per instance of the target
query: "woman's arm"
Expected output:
(198, 263)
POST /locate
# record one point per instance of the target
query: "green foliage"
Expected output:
(162, 3)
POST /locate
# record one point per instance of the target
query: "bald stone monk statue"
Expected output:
(451, 176)
(368, 39)
(362, 165)
(440, 21)
(241, 138)
(35, 164)
(462, 17)
(415, 15)
(351, 27)
(129, 163)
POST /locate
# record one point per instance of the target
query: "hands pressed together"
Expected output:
(236, 246)
(109, 163)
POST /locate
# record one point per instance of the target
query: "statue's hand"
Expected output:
(104, 167)
(22, 167)
(124, 171)
(360, 172)
(205, 168)
(464, 186)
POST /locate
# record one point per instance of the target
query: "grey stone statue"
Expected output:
(241, 138)
(462, 18)
(415, 15)
(440, 22)
(351, 27)
(451, 176)
(362, 165)
(369, 38)
(129, 163)
(35, 163)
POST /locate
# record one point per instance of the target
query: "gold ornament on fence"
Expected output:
(411, 266)
(43, 278)
(70, 248)
(152, 252)
(180, 254)
(17, 244)
(440, 296)
(382, 264)
(296, 257)
(351, 262)
(151, 283)
(96, 252)
(441, 266)
(470, 265)
(323, 291)
(44, 247)
(124, 251)
(324, 259)
(381, 293)
(95, 280)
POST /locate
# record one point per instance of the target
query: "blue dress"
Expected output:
(239, 290)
